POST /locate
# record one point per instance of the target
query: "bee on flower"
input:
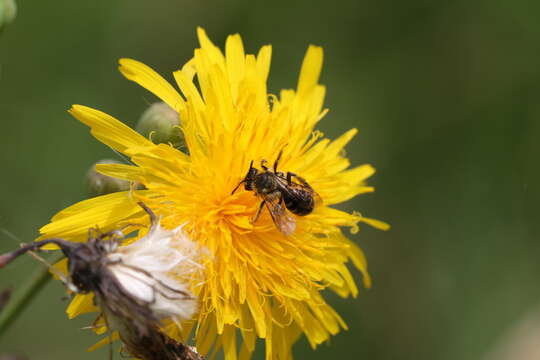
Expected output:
(262, 279)
(279, 192)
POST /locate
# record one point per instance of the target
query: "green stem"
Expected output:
(25, 295)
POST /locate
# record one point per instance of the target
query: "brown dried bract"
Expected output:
(158, 346)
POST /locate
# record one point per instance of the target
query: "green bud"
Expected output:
(8, 10)
(98, 184)
(161, 124)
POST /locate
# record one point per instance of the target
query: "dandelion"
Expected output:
(259, 282)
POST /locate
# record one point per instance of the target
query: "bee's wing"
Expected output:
(284, 222)
(318, 199)
(292, 190)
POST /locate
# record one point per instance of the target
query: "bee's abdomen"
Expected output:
(299, 205)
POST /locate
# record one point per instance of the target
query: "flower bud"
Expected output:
(161, 124)
(98, 184)
(8, 10)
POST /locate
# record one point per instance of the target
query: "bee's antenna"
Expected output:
(244, 180)
(277, 159)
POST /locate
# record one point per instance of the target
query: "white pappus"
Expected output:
(157, 270)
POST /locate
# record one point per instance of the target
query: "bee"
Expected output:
(278, 192)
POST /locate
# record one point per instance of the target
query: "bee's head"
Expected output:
(250, 177)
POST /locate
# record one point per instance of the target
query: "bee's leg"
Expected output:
(153, 217)
(258, 213)
(263, 164)
(277, 160)
(237, 186)
(300, 179)
(290, 176)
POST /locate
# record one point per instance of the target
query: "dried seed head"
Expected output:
(157, 269)
(137, 285)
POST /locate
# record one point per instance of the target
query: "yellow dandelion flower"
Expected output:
(260, 283)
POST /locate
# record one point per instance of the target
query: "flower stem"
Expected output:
(25, 295)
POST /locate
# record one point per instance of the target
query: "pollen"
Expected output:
(259, 282)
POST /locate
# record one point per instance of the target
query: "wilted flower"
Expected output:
(138, 288)
(258, 281)
(155, 270)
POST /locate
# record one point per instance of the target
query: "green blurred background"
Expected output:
(445, 94)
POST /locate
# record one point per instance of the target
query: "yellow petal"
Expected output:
(61, 267)
(189, 69)
(152, 81)
(205, 334)
(229, 343)
(214, 53)
(359, 260)
(264, 58)
(311, 69)
(103, 212)
(113, 337)
(381, 225)
(256, 311)
(185, 83)
(121, 171)
(337, 145)
(108, 130)
(357, 175)
(235, 60)
(81, 304)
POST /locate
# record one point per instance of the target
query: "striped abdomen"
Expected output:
(299, 202)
